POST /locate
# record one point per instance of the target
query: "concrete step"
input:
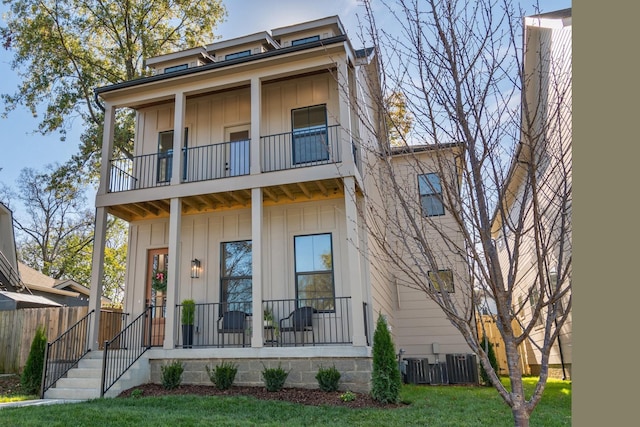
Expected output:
(84, 381)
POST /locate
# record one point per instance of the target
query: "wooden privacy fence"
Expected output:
(18, 327)
(493, 335)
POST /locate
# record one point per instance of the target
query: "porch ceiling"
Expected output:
(239, 199)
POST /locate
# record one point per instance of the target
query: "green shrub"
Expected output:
(223, 375)
(348, 396)
(328, 378)
(386, 380)
(188, 311)
(488, 347)
(172, 375)
(31, 379)
(274, 378)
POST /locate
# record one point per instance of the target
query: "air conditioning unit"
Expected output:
(462, 368)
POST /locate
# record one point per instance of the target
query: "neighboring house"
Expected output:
(65, 292)
(547, 66)
(243, 192)
(9, 275)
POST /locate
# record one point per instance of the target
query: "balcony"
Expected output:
(279, 152)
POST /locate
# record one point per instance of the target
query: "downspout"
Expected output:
(555, 321)
(97, 101)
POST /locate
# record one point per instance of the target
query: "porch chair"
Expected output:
(300, 320)
(232, 322)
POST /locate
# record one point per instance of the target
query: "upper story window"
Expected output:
(237, 55)
(314, 271)
(309, 127)
(305, 40)
(165, 154)
(441, 277)
(430, 194)
(176, 68)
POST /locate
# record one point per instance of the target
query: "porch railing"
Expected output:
(123, 350)
(64, 352)
(217, 161)
(146, 171)
(293, 150)
(289, 150)
(331, 324)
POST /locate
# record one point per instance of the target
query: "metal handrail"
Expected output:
(65, 351)
(123, 350)
(13, 274)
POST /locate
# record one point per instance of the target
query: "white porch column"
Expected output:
(97, 274)
(107, 147)
(100, 228)
(256, 108)
(344, 93)
(173, 272)
(256, 267)
(353, 261)
(178, 138)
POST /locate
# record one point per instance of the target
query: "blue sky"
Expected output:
(21, 147)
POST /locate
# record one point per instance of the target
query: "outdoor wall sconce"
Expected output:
(195, 268)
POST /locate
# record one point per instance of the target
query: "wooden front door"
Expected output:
(156, 291)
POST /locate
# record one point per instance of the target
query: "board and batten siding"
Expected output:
(202, 235)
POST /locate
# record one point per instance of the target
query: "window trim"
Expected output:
(224, 278)
(330, 272)
(433, 285)
(432, 195)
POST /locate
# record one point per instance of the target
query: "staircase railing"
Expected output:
(123, 350)
(11, 274)
(64, 352)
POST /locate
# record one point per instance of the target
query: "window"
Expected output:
(176, 68)
(165, 155)
(305, 40)
(314, 270)
(437, 278)
(309, 127)
(430, 194)
(235, 277)
(237, 55)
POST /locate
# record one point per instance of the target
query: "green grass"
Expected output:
(426, 406)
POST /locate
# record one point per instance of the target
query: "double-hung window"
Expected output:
(309, 127)
(235, 277)
(430, 194)
(314, 271)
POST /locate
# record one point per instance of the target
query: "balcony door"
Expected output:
(156, 291)
(237, 153)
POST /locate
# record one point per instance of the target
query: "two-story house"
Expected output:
(547, 137)
(244, 193)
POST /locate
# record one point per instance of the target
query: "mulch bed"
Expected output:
(314, 397)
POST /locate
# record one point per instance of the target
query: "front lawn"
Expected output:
(425, 406)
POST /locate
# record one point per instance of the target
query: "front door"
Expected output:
(156, 291)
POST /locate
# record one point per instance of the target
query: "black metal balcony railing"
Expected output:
(292, 150)
(288, 150)
(217, 161)
(330, 324)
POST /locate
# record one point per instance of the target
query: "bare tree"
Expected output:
(492, 149)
